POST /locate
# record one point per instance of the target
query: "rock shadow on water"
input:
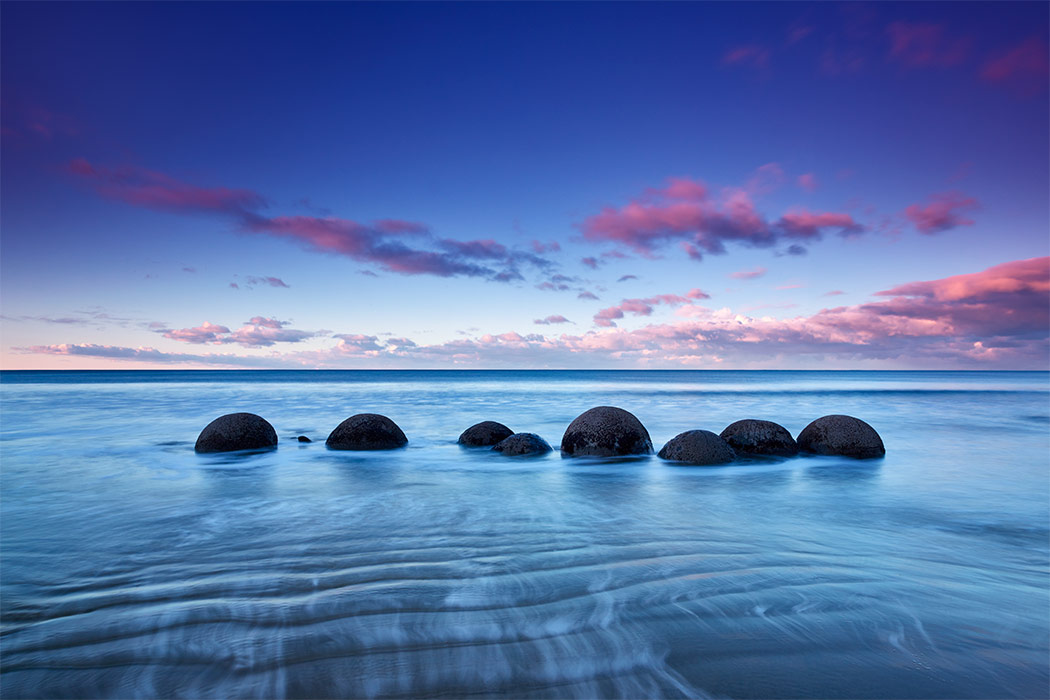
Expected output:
(238, 460)
(239, 481)
(841, 469)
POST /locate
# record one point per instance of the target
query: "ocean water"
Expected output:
(132, 567)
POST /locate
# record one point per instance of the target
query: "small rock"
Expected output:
(303, 438)
(523, 444)
(484, 434)
(367, 431)
(841, 435)
(701, 447)
(606, 431)
(236, 431)
(760, 437)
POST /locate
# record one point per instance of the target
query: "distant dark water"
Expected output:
(132, 567)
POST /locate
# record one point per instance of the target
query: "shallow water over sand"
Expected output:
(132, 567)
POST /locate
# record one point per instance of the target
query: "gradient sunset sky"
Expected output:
(577, 185)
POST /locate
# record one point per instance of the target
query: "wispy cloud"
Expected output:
(942, 212)
(1024, 67)
(607, 317)
(923, 45)
(403, 247)
(751, 274)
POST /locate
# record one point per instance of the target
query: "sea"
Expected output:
(132, 567)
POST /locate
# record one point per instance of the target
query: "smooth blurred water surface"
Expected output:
(133, 567)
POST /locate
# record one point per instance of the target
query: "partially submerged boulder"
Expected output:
(760, 437)
(606, 431)
(841, 435)
(700, 447)
(366, 431)
(236, 431)
(523, 444)
(303, 438)
(485, 433)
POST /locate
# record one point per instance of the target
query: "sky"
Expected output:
(525, 185)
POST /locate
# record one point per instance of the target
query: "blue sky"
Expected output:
(156, 154)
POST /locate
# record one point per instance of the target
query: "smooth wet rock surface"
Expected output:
(485, 433)
(523, 444)
(841, 435)
(236, 431)
(700, 447)
(367, 431)
(760, 437)
(303, 438)
(606, 431)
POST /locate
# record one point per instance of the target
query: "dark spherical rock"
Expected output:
(841, 435)
(760, 437)
(606, 431)
(484, 434)
(367, 431)
(701, 447)
(236, 431)
(303, 438)
(523, 444)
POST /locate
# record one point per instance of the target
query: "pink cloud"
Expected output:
(808, 182)
(587, 295)
(942, 213)
(551, 320)
(765, 179)
(551, 247)
(360, 343)
(266, 322)
(751, 55)
(703, 225)
(397, 226)
(679, 188)
(749, 274)
(920, 45)
(1021, 277)
(204, 333)
(642, 307)
(257, 332)
(155, 190)
(834, 293)
(591, 262)
(804, 224)
(1024, 67)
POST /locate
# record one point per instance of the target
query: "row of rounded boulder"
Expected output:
(604, 431)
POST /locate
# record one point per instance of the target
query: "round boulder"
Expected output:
(760, 437)
(700, 447)
(366, 431)
(606, 431)
(523, 444)
(841, 435)
(485, 433)
(236, 431)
